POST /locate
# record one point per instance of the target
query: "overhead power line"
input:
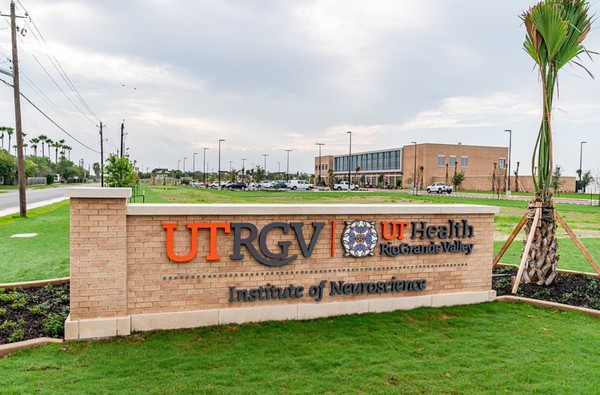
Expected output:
(51, 120)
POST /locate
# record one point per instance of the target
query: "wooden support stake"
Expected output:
(534, 224)
(577, 242)
(509, 241)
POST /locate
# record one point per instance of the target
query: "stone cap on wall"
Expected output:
(98, 193)
(306, 209)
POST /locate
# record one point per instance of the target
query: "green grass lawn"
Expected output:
(41, 257)
(487, 348)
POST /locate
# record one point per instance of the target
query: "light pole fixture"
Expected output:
(581, 159)
(265, 155)
(509, 158)
(243, 169)
(194, 165)
(287, 169)
(349, 161)
(415, 169)
(320, 145)
(204, 166)
(219, 168)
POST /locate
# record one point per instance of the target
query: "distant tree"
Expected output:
(556, 182)
(31, 168)
(44, 165)
(458, 179)
(67, 169)
(586, 179)
(96, 168)
(119, 171)
(8, 167)
(260, 174)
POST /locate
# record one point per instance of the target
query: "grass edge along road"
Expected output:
(485, 348)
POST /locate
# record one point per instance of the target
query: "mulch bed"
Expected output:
(33, 312)
(40, 312)
(571, 289)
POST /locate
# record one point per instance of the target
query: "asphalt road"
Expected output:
(9, 201)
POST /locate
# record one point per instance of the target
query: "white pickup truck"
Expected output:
(439, 187)
(343, 185)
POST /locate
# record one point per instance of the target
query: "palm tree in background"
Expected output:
(9, 132)
(34, 144)
(49, 143)
(555, 32)
(42, 138)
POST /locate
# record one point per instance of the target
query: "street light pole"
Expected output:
(287, 169)
(509, 159)
(219, 175)
(204, 166)
(194, 165)
(581, 159)
(184, 164)
(415, 169)
(349, 161)
(243, 169)
(265, 155)
(320, 144)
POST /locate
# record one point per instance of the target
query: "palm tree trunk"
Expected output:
(540, 267)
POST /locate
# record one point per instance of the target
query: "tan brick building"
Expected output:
(485, 167)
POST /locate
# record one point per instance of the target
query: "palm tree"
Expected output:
(34, 144)
(43, 139)
(10, 132)
(57, 145)
(49, 143)
(555, 32)
(2, 130)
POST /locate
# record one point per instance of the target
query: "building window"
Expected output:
(502, 163)
(464, 161)
(452, 161)
(441, 160)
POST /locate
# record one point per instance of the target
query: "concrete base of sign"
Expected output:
(123, 326)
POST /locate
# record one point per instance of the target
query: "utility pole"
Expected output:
(18, 126)
(122, 137)
(101, 157)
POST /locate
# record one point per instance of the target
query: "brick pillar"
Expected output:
(98, 252)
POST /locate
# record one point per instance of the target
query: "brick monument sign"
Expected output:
(137, 267)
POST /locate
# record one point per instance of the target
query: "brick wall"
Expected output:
(120, 268)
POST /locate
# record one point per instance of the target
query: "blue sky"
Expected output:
(267, 76)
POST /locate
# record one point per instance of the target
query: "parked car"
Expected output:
(280, 185)
(236, 185)
(265, 184)
(344, 185)
(439, 187)
(215, 184)
(300, 184)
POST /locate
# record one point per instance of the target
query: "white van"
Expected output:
(300, 184)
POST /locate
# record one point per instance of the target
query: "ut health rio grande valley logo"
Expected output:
(359, 238)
